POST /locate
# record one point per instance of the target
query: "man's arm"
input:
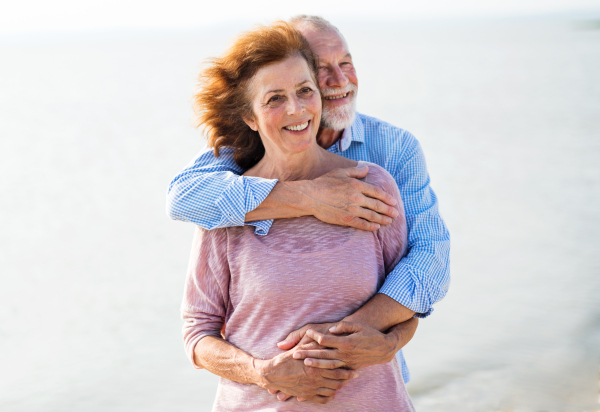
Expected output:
(422, 277)
(371, 335)
(418, 281)
(212, 194)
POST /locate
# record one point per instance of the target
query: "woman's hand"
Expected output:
(293, 378)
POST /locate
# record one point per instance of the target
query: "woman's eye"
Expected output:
(306, 90)
(274, 99)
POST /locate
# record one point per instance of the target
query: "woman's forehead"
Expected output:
(287, 74)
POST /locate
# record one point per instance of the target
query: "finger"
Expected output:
(356, 172)
(316, 353)
(376, 193)
(321, 399)
(283, 396)
(325, 392)
(324, 363)
(369, 215)
(345, 327)
(300, 399)
(340, 374)
(348, 219)
(378, 207)
(272, 391)
(332, 383)
(329, 341)
(292, 338)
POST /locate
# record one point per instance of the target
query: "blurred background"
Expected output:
(504, 97)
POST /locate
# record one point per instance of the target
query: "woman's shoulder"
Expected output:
(379, 177)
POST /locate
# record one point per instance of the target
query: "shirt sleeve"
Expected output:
(211, 193)
(392, 237)
(206, 293)
(422, 277)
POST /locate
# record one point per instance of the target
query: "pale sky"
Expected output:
(36, 15)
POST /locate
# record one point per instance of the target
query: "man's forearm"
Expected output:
(381, 312)
(286, 200)
(402, 333)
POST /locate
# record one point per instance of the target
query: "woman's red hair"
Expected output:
(222, 99)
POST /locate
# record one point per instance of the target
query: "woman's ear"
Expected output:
(251, 123)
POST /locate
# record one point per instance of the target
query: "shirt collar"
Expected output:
(354, 133)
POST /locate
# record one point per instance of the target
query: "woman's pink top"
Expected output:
(304, 271)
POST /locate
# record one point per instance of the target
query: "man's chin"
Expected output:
(339, 118)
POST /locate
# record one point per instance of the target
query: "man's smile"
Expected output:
(341, 96)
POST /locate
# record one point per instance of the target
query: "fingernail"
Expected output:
(280, 396)
(296, 355)
(308, 362)
(355, 375)
(394, 201)
(388, 220)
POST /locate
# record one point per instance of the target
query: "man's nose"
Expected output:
(337, 78)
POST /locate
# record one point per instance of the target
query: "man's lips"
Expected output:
(339, 96)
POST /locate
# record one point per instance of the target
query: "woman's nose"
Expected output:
(295, 106)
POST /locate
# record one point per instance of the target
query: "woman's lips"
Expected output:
(298, 127)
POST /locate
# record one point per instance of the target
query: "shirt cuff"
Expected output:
(402, 286)
(244, 195)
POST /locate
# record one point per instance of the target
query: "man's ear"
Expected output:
(251, 123)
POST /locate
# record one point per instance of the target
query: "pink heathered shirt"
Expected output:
(304, 271)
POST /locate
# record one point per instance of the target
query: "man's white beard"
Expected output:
(339, 117)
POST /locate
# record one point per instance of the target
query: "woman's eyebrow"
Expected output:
(282, 90)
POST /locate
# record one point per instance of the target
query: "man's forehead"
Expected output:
(324, 42)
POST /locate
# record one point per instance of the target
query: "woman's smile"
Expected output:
(298, 128)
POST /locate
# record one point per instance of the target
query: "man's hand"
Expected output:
(339, 198)
(294, 378)
(298, 337)
(349, 345)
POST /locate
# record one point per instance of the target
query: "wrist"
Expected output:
(304, 201)
(392, 344)
(260, 369)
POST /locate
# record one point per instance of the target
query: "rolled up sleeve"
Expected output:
(421, 278)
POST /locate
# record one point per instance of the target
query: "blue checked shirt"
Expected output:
(211, 193)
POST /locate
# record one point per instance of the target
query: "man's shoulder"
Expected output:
(384, 135)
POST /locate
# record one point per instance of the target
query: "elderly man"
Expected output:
(212, 194)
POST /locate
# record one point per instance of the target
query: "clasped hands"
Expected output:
(322, 358)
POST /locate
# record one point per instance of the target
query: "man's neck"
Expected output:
(327, 137)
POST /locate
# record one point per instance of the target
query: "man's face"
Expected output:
(337, 77)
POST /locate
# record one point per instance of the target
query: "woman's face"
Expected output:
(286, 106)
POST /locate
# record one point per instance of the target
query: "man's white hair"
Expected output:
(316, 23)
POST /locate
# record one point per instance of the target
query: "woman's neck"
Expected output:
(305, 165)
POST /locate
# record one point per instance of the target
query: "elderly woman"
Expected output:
(245, 292)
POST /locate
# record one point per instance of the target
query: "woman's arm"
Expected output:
(282, 373)
(204, 309)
